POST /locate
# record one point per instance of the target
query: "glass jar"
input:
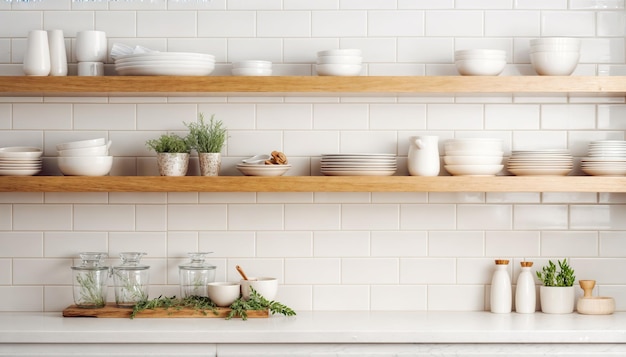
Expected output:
(90, 281)
(131, 280)
(195, 275)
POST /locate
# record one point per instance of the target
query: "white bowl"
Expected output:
(85, 165)
(223, 294)
(251, 72)
(480, 67)
(338, 69)
(340, 52)
(263, 170)
(477, 144)
(81, 144)
(554, 63)
(472, 57)
(102, 150)
(266, 287)
(555, 41)
(472, 160)
(340, 59)
(253, 64)
(473, 170)
(480, 52)
(475, 153)
(20, 152)
(554, 48)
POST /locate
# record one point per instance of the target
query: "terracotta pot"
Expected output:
(210, 163)
(173, 164)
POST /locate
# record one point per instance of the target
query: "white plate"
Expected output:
(24, 172)
(263, 170)
(19, 166)
(20, 152)
(604, 171)
(172, 56)
(358, 155)
(165, 64)
(540, 172)
(359, 172)
(603, 159)
(165, 71)
(372, 161)
(473, 170)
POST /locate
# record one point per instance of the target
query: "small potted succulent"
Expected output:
(557, 295)
(172, 154)
(208, 140)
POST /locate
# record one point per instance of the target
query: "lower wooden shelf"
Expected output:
(312, 184)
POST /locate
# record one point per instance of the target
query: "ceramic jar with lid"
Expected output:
(131, 280)
(90, 281)
(196, 275)
(501, 297)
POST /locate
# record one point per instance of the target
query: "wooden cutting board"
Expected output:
(111, 310)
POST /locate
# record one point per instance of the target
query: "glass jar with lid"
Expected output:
(195, 275)
(90, 281)
(131, 280)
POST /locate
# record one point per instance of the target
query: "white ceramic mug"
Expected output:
(90, 69)
(37, 56)
(91, 46)
(58, 56)
(424, 156)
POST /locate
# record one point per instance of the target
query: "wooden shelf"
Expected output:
(308, 85)
(312, 184)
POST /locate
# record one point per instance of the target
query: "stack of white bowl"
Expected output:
(480, 62)
(473, 156)
(546, 162)
(606, 158)
(85, 157)
(252, 68)
(20, 161)
(343, 62)
(554, 56)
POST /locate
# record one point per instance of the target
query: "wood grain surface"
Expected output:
(112, 311)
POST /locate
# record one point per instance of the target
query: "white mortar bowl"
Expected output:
(267, 287)
(554, 63)
(81, 144)
(223, 294)
(85, 165)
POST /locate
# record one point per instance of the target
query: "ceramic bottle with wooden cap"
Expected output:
(525, 295)
(501, 299)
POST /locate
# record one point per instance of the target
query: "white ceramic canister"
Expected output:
(501, 299)
(37, 55)
(424, 156)
(525, 295)
(58, 56)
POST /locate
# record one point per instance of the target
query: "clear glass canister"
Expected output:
(195, 275)
(131, 280)
(90, 281)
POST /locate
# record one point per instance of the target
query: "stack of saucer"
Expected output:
(252, 68)
(358, 164)
(20, 161)
(342, 62)
(555, 162)
(606, 158)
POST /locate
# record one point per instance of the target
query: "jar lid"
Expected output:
(131, 261)
(91, 261)
(197, 262)
(526, 264)
(502, 262)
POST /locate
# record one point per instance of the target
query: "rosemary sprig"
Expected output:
(257, 302)
(90, 290)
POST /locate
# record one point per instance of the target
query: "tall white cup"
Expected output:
(91, 46)
(424, 156)
(37, 55)
(90, 69)
(58, 56)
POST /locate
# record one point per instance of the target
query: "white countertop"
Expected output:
(321, 327)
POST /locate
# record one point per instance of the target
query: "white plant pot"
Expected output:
(210, 163)
(557, 299)
(173, 164)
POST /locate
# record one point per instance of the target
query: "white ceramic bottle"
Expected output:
(37, 55)
(501, 299)
(525, 295)
(58, 56)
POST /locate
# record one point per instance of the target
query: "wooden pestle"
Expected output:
(587, 286)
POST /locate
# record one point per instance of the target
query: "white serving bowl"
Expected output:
(340, 59)
(480, 67)
(251, 72)
(472, 160)
(223, 294)
(267, 287)
(81, 144)
(475, 153)
(481, 52)
(473, 144)
(472, 57)
(102, 150)
(554, 63)
(253, 64)
(340, 52)
(554, 48)
(85, 165)
(338, 69)
(473, 170)
(20, 152)
(555, 41)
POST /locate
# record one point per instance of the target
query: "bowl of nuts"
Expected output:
(275, 165)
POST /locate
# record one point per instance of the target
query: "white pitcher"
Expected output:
(424, 156)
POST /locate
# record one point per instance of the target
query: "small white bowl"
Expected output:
(554, 48)
(223, 294)
(253, 64)
(340, 52)
(555, 41)
(473, 170)
(340, 59)
(102, 150)
(476, 144)
(81, 144)
(251, 72)
(20, 152)
(480, 67)
(263, 170)
(85, 165)
(472, 160)
(554, 63)
(474, 153)
(265, 286)
(338, 69)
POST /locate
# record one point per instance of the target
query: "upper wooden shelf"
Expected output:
(312, 184)
(308, 85)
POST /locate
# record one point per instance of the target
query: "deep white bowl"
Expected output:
(102, 150)
(340, 52)
(253, 64)
(478, 57)
(81, 144)
(85, 165)
(251, 72)
(267, 287)
(473, 170)
(340, 59)
(555, 41)
(554, 48)
(480, 67)
(554, 63)
(473, 144)
(223, 294)
(338, 69)
(472, 160)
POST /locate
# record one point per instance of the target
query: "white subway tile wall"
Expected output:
(330, 251)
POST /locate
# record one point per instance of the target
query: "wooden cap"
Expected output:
(526, 264)
(502, 262)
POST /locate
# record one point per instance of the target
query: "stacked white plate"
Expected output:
(606, 158)
(552, 162)
(252, 68)
(358, 164)
(473, 156)
(20, 161)
(343, 62)
(165, 64)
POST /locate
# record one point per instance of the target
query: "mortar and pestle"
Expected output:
(594, 305)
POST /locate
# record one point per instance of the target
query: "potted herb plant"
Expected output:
(208, 140)
(557, 294)
(172, 154)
